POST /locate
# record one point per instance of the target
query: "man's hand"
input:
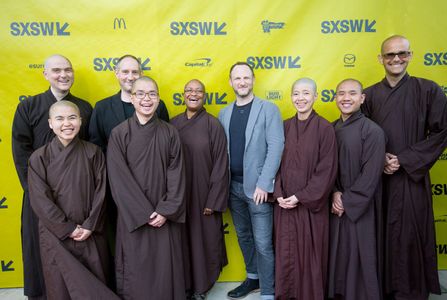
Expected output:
(77, 232)
(337, 204)
(259, 196)
(208, 211)
(391, 164)
(84, 235)
(156, 220)
(289, 203)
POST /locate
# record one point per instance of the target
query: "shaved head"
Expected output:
(144, 79)
(351, 80)
(197, 81)
(392, 38)
(55, 57)
(308, 81)
(63, 103)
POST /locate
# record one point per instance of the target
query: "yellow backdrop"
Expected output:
(180, 40)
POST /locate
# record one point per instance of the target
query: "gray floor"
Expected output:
(218, 292)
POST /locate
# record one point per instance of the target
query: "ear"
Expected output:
(380, 59)
(362, 99)
(49, 123)
(45, 74)
(80, 121)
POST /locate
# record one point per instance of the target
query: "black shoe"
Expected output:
(197, 296)
(247, 287)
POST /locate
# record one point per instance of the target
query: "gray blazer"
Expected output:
(264, 143)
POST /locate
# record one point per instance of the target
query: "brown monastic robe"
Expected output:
(67, 186)
(413, 115)
(146, 174)
(30, 131)
(308, 169)
(206, 163)
(353, 258)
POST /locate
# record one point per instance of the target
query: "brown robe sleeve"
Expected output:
(417, 159)
(173, 206)
(98, 205)
(314, 195)
(219, 181)
(129, 198)
(356, 199)
(277, 189)
(42, 201)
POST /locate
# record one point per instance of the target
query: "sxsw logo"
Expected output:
(217, 98)
(328, 95)
(108, 63)
(267, 26)
(435, 59)
(273, 95)
(198, 28)
(119, 23)
(39, 29)
(443, 156)
(439, 189)
(199, 62)
(344, 26)
(274, 62)
(349, 60)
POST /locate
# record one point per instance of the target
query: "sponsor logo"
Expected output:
(7, 266)
(36, 66)
(198, 28)
(267, 25)
(274, 62)
(273, 95)
(108, 63)
(328, 95)
(345, 26)
(435, 59)
(443, 156)
(438, 189)
(119, 23)
(39, 29)
(200, 62)
(210, 98)
(349, 60)
(444, 89)
(2, 203)
(441, 248)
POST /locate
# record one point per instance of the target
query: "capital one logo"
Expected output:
(119, 23)
(200, 62)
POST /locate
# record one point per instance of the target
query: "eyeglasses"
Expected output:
(392, 55)
(190, 91)
(140, 95)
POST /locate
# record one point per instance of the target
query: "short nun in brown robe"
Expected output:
(66, 181)
(206, 163)
(303, 183)
(147, 179)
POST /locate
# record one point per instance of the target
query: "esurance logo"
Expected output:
(198, 28)
(119, 23)
(274, 62)
(39, 29)
(200, 62)
(345, 26)
(267, 25)
(217, 98)
(435, 59)
(273, 95)
(109, 63)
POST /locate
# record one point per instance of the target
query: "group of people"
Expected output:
(321, 210)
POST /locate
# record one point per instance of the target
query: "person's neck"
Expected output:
(190, 113)
(143, 119)
(305, 116)
(240, 101)
(345, 117)
(394, 80)
(58, 94)
(125, 96)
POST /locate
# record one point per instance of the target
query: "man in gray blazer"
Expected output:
(255, 134)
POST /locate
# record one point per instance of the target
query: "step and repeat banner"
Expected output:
(180, 40)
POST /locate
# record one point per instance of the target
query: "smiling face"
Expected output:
(395, 65)
(349, 97)
(127, 71)
(59, 73)
(303, 98)
(194, 95)
(65, 121)
(242, 80)
(145, 98)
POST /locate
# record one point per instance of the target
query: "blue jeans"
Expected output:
(254, 227)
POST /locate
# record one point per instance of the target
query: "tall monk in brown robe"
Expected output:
(354, 225)
(147, 179)
(207, 183)
(303, 184)
(30, 131)
(413, 113)
(67, 180)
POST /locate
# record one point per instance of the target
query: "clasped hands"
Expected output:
(80, 234)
